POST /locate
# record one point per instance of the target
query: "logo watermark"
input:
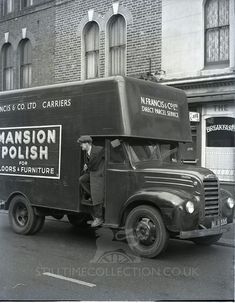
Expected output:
(113, 258)
(120, 271)
(110, 248)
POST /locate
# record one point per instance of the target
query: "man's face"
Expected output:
(85, 146)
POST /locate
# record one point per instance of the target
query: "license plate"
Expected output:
(219, 222)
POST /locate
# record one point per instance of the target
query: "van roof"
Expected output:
(117, 106)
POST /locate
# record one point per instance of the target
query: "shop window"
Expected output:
(220, 132)
(217, 32)
(25, 63)
(7, 59)
(220, 147)
(91, 37)
(117, 45)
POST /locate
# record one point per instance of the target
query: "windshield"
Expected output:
(151, 150)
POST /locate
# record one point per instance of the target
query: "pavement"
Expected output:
(228, 237)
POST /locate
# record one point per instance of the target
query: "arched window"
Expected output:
(25, 63)
(217, 32)
(7, 6)
(7, 66)
(91, 38)
(26, 3)
(117, 45)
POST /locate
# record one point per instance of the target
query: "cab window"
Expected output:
(117, 152)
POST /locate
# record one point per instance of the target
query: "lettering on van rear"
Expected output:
(33, 151)
(159, 107)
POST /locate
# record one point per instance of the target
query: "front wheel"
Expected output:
(21, 216)
(145, 231)
(208, 240)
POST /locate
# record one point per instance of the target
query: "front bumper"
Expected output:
(204, 232)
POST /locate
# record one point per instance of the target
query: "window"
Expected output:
(91, 37)
(7, 6)
(152, 151)
(25, 63)
(217, 32)
(220, 132)
(7, 66)
(26, 3)
(117, 153)
(220, 147)
(117, 45)
(169, 152)
(189, 149)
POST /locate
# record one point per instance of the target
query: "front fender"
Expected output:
(171, 204)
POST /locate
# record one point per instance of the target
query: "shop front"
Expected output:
(218, 141)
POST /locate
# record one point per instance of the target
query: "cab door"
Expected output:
(117, 180)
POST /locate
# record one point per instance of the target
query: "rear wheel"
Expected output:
(208, 240)
(145, 231)
(79, 220)
(21, 216)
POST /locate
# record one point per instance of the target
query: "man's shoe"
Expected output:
(97, 222)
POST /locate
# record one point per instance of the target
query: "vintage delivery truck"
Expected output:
(149, 192)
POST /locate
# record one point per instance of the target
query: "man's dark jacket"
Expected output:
(96, 169)
(96, 157)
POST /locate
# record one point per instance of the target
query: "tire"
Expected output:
(145, 231)
(79, 220)
(38, 226)
(21, 216)
(208, 240)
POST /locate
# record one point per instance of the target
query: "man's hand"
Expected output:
(85, 167)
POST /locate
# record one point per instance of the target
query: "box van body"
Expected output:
(148, 190)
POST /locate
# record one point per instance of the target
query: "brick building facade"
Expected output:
(143, 35)
(56, 32)
(34, 22)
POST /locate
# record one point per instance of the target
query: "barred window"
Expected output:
(91, 38)
(25, 63)
(117, 45)
(7, 66)
(217, 32)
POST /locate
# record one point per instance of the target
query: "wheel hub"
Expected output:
(144, 229)
(21, 216)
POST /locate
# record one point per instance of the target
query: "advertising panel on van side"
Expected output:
(31, 151)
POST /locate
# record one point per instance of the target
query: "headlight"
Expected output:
(189, 207)
(230, 202)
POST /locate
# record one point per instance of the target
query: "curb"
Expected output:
(227, 243)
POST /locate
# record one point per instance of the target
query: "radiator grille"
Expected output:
(211, 188)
